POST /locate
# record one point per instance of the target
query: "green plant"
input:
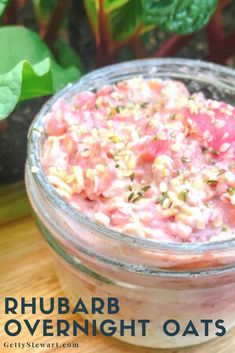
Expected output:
(116, 23)
(28, 68)
(179, 16)
(45, 62)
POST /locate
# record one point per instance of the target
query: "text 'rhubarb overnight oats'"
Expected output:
(131, 177)
(147, 158)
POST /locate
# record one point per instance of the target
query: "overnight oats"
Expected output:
(131, 176)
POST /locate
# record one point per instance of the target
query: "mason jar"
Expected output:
(152, 280)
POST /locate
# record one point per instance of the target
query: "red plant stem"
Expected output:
(223, 3)
(172, 45)
(220, 46)
(55, 21)
(225, 50)
(139, 49)
(104, 48)
(10, 17)
(214, 29)
(21, 3)
(3, 125)
(42, 29)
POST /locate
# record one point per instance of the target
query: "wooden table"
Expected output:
(26, 270)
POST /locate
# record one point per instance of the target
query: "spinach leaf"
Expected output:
(179, 16)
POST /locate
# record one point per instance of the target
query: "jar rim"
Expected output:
(96, 76)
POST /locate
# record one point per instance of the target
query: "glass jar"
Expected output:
(152, 280)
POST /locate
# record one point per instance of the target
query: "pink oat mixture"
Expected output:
(147, 158)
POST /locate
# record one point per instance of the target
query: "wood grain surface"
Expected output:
(26, 270)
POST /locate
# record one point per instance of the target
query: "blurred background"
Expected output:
(48, 43)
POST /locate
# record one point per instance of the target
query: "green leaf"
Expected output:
(123, 17)
(124, 21)
(67, 56)
(93, 5)
(3, 5)
(16, 84)
(27, 68)
(179, 16)
(39, 74)
(111, 5)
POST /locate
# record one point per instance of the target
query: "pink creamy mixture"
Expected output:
(147, 158)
